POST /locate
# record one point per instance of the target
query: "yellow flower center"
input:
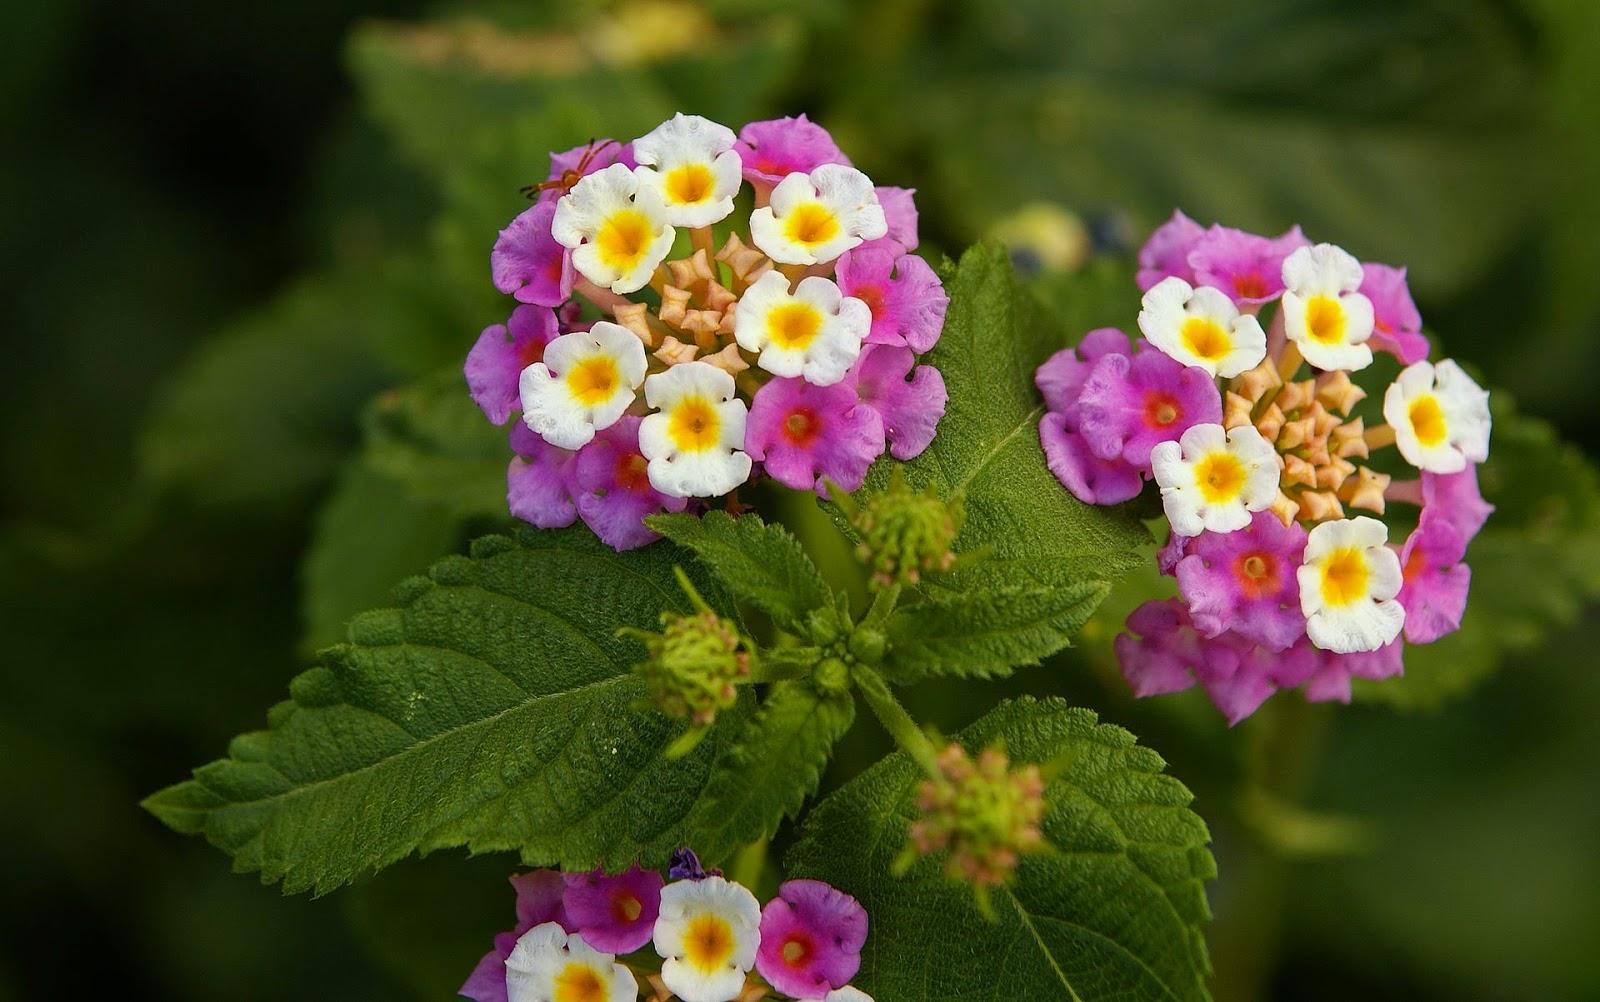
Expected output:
(689, 184)
(793, 326)
(694, 425)
(580, 982)
(1325, 320)
(811, 223)
(1220, 477)
(708, 943)
(1427, 420)
(1205, 338)
(623, 239)
(594, 380)
(1344, 576)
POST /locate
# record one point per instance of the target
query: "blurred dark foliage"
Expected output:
(175, 170)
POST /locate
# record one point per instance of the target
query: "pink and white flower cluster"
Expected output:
(1238, 402)
(708, 933)
(781, 337)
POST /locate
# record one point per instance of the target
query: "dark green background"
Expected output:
(174, 170)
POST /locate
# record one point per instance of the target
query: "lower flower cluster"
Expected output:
(783, 339)
(1262, 465)
(706, 931)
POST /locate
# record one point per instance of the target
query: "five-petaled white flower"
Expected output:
(695, 440)
(547, 965)
(1323, 314)
(1348, 583)
(691, 165)
(1211, 479)
(617, 228)
(813, 218)
(1440, 417)
(707, 935)
(585, 382)
(814, 332)
(1201, 327)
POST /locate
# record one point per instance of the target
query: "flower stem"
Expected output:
(1289, 361)
(1380, 436)
(894, 718)
(883, 603)
(605, 299)
(700, 238)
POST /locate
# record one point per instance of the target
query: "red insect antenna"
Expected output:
(572, 175)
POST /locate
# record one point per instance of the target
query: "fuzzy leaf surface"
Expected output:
(763, 564)
(987, 633)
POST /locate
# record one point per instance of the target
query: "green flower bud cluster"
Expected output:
(906, 534)
(694, 665)
(984, 813)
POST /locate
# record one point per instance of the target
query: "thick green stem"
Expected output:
(883, 604)
(911, 738)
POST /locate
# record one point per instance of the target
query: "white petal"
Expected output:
(684, 981)
(549, 410)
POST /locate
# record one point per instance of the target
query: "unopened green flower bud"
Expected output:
(983, 813)
(694, 663)
(906, 534)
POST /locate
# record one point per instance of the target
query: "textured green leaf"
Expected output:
(1535, 566)
(768, 773)
(370, 533)
(763, 564)
(1031, 529)
(1115, 912)
(987, 633)
(433, 439)
(492, 708)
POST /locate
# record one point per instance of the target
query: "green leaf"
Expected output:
(760, 563)
(987, 634)
(433, 439)
(370, 533)
(1535, 566)
(1031, 529)
(1113, 912)
(776, 763)
(492, 708)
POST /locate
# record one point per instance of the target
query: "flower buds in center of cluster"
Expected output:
(904, 533)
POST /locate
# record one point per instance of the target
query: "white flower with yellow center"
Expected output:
(707, 936)
(849, 993)
(1348, 583)
(1323, 314)
(585, 382)
(814, 332)
(691, 165)
(547, 965)
(1440, 417)
(617, 229)
(1201, 327)
(695, 440)
(1211, 480)
(812, 218)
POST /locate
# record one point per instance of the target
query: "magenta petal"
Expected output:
(1127, 406)
(1247, 267)
(907, 300)
(910, 409)
(772, 150)
(611, 487)
(539, 894)
(1160, 653)
(805, 434)
(1454, 498)
(1396, 323)
(614, 914)
(586, 159)
(528, 263)
(1245, 582)
(811, 939)
(538, 484)
(1091, 479)
(1061, 376)
(1434, 594)
(900, 212)
(1166, 253)
(501, 352)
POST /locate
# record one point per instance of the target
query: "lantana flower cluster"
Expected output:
(779, 335)
(705, 932)
(1238, 402)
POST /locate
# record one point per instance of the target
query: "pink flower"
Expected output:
(538, 481)
(501, 353)
(907, 300)
(900, 212)
(611, 486)
(538, 901)
(1436, 581)
(614, 914)
(774, 149)
(1331, 681)
(1061, 376)
(909, 409)
(1091, 479)
(1127, 405)
(1170, 555)
(572, 165)
(1396, 324)
(1247, 267)
(528, 263)
(1245, 582)
(804, 433)
(811, 939)
(1166, 253)
(1455, 499)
